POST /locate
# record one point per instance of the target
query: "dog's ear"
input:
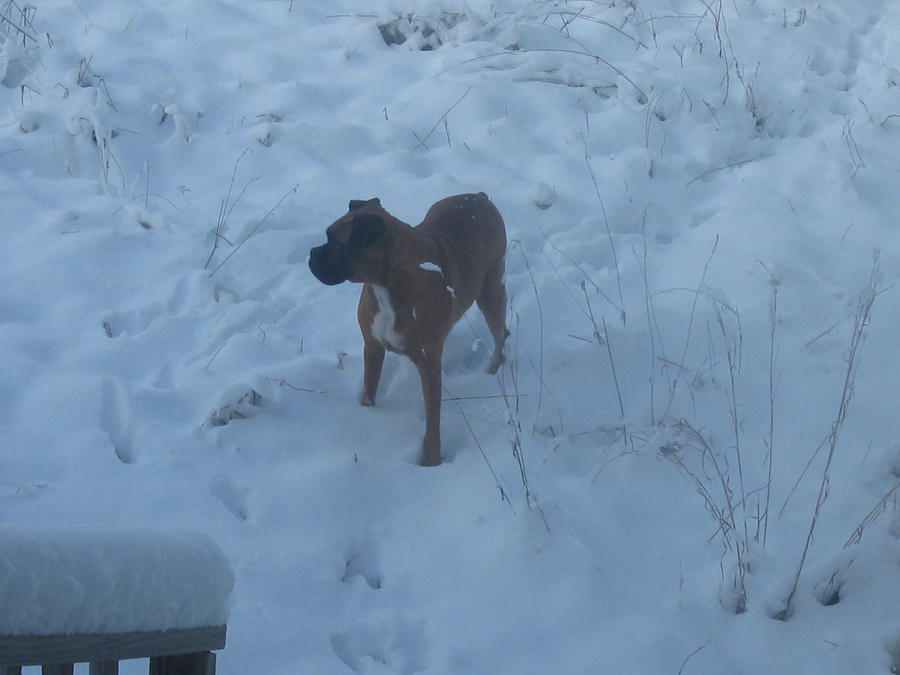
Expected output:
(367, 227)
(359, 203)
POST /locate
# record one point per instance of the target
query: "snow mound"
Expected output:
(87, 580)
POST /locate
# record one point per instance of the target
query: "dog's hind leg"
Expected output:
(492, 303)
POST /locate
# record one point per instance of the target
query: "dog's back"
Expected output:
(469, 229)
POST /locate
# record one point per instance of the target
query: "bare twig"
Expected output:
(285, 383)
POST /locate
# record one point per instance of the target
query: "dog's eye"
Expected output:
(367, 227)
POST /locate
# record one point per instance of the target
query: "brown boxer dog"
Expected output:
(418, 281)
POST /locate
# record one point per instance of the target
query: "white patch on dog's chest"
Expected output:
(383, 323)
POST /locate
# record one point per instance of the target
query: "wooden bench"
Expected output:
(186, 651)
(79, 594)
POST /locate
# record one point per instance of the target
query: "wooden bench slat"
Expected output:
(29, 650)
(104, 668)
(184, 664)
(58, 669)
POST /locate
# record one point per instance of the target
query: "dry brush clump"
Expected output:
(734, 472)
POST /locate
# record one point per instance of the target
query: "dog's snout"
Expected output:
(327, 267)
(315, 255)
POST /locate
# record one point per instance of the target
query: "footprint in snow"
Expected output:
(363, 560)
(117, 421)
(828, 591)
(893, 649)
(10, 493)
(135, 321)
(232, 497)
(396, 643)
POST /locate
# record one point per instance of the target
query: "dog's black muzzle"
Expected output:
(328, 265)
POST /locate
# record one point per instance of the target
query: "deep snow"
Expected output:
(670, 172)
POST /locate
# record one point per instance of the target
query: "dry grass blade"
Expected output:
(612, 243)
(603, 339)
(732, 356)
(537, 298)
(721, 508)
(687, 339)
(441, 120)
(572, 16)
(690, 656)
(873, 515)
(864, 307)
(770, 444)
(572, 52)
(243, 241)
(20, 27)
(584, 274)
(226, 207)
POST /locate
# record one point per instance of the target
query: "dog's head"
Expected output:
(355, 250)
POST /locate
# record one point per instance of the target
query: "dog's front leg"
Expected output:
(430, 371)
(373, 360)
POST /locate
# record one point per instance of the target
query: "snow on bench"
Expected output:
(94, 595)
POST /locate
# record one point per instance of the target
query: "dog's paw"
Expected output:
(431, 455)
(496, 362)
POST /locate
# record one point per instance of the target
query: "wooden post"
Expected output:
(200, 663)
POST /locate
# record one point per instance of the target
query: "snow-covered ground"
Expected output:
(701, 200)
